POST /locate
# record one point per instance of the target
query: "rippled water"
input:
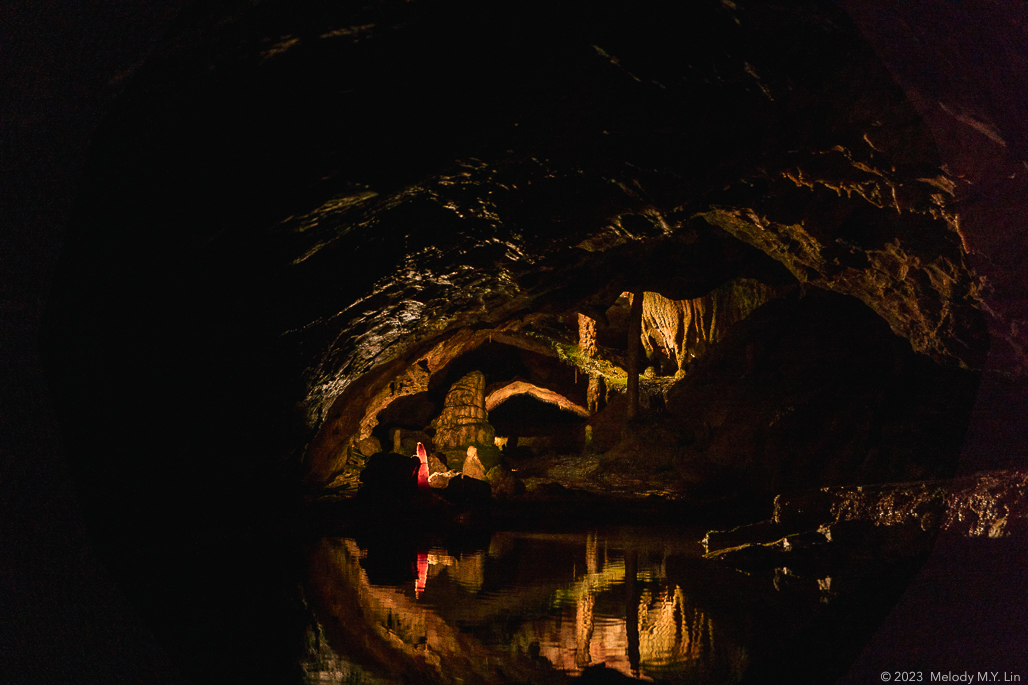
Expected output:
(545, 607)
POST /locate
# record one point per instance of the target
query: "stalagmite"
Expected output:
(464, 420)
(472, 466)
(423, 469)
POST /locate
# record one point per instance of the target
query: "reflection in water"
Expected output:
(523, 608)
(423, 562)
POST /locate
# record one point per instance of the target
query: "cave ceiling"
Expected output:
(330, 196)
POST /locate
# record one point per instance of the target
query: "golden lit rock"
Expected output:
(464, 421)
(473, 466)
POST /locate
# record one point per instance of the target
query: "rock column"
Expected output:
(587, 345)
(464, 421)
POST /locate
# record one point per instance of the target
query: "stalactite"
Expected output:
(675, 331)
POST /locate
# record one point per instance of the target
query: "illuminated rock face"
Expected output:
(676, 331)
(464, 421)
(991, 504)
(885, 521)
(587, 346)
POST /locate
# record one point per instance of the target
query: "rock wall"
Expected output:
(813, 389)
(339, 263)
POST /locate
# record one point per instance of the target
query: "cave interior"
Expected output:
(301, 229)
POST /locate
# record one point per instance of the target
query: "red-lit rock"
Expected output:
(423, 469)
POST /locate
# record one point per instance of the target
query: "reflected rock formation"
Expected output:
(527, 610)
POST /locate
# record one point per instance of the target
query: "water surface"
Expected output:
(546, 607)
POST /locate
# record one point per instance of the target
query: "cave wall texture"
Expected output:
(283, 212)
(332, 196)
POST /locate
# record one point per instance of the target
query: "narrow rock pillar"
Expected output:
(634, 334)
(587, 345)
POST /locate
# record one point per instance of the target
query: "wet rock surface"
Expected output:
(881, 521)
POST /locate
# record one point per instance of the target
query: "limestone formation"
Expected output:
(464, 420)
(473, 466)
(369, 446)
(436, 465)
(676, 331)
(587, 344)
(587, 335)
(441, 479)
(519, 387)
(423, 468)
(439, 474)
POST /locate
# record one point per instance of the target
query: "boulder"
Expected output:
(441, 479)
(390, 474)
(436, 465)
(461, 490)
(504, 483)
(473, 466)
(369, 446)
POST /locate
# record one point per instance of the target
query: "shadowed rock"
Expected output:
(390, 474)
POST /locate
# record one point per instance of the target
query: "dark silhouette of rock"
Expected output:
(462, 490)
(505, 484)
(814, 389)
(390, 474)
